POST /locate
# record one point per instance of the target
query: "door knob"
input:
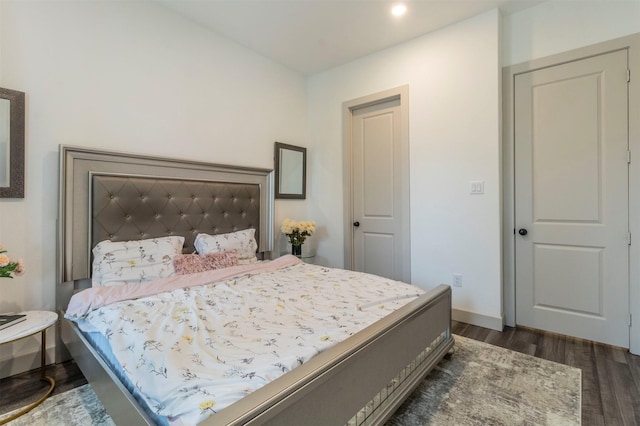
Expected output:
(356, 224)
(522, 231)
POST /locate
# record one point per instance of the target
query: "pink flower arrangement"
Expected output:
(9, 267)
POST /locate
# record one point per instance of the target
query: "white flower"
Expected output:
(297, 231)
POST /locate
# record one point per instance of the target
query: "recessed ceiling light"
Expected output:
(399, 10)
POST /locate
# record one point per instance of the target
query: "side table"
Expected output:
(36, 322)
(305, 257)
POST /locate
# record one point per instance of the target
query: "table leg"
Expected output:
(43, 377)
(43, 348)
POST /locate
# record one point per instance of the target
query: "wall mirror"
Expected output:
(11, 143)
(291, 171)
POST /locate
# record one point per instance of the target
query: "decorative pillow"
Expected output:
(127, 262)
(192, 263)
(243, 242)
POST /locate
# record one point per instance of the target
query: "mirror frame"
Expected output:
(16, 144)
(278, 148)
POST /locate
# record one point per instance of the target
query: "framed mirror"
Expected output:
(291, 171)
(11, 143)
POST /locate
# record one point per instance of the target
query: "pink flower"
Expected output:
(19, 268)
(8, 267)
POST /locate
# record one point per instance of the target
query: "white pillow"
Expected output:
(243, 242)
(127, 262)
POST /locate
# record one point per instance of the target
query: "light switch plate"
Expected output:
(457, 280)
(476, 187)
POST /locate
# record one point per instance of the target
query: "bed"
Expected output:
(117, 197)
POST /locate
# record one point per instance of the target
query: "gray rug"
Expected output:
(483, 384)
(479, 385)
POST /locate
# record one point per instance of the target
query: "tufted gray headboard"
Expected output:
(135, 208)
(119, 196)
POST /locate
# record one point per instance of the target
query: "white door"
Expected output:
(571, 185)
(379, 175)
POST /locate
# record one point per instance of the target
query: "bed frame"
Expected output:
(109, 195)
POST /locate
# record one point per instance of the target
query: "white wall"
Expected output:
(454, 82)
(126, 76)
(558, 26)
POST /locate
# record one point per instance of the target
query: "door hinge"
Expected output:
(628, 75)
(628, 157)
(630, 320)
(629, 238)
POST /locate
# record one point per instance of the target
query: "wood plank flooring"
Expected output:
(610, 375)
(24, 388)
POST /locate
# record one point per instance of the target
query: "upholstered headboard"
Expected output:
(120, 197)
(134, 208)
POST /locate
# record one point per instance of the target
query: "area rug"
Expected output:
(480, 384)
(483, 384)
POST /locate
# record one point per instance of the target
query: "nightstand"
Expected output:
(35, 322)
(305, 257)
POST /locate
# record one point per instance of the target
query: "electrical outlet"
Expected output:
(457, 280)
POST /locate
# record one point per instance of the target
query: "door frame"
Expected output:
(401, 93)
(632, 45)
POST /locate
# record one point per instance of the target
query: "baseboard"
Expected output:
(12, 365)
(473, 318)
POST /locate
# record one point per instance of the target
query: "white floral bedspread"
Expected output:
(194, 351)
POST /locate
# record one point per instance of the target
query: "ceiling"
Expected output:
(311, 36)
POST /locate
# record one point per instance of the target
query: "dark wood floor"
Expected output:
(25, 388)
(610, 376)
